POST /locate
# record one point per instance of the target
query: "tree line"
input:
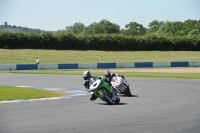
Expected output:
(105, 35)
(15, 29)
(190, 28)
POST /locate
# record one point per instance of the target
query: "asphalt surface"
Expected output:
(157, 106)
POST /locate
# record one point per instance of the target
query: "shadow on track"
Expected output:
(129, 96)
(113, 104)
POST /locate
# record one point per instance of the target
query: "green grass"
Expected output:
(28, 56)
(23, 93)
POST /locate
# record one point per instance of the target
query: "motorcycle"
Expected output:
(102, 90)
(121, 85)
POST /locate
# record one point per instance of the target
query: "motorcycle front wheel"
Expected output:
(117, 99)
(106, 98)
(128, 92)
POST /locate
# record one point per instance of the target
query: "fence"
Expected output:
(98, 65)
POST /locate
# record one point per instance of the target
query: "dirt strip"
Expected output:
(165, 70)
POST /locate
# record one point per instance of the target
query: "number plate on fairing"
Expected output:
(122, 87)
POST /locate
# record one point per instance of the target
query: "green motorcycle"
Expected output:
(104, 91)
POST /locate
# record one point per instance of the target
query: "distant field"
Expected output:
(28, 56)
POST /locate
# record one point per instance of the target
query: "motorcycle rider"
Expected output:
(108, 76)
(89, 80)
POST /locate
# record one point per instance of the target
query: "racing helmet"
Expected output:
(86, 75)
(107, 74)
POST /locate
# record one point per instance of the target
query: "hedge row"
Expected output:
(67, 41)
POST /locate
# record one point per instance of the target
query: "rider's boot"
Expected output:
(93, 97)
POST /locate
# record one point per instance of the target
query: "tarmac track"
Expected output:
(157, 106)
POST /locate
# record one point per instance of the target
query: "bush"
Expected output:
(68, 41)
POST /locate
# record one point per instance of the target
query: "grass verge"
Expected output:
(24, 93)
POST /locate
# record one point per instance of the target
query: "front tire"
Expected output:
(106, 98)
(128, 92)
(117, 99)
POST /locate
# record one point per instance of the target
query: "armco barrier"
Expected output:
(26, 66)
(98, 65)
(106, 65)
(143, 64)
(179, 64)
(67, 66)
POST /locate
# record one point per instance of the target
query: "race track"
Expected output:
(158, 106)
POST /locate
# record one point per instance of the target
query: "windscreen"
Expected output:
(92, 80)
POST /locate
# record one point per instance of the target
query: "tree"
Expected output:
(103, 27)
(198, 25)
(193, 33)
(109, 27)
(188, 26)
(170, 28)
(133, 28)
(91, 28)
(154, 26)
(179, 28)
(77, 28)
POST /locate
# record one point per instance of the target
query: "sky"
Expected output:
(54, 15)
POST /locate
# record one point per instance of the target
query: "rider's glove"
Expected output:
(99, 77)
(86, 84)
